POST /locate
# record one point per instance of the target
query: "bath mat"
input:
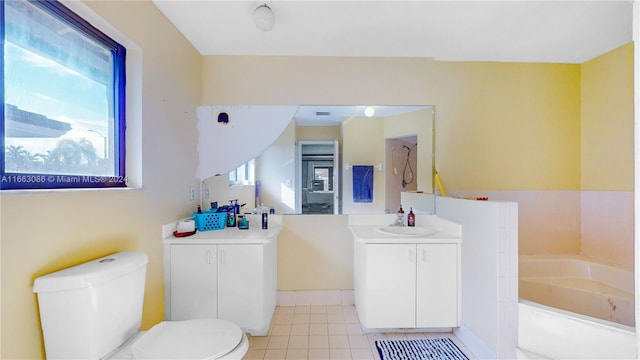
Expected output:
(419, 349)
(362, 183)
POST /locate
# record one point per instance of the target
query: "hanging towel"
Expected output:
(362, 183)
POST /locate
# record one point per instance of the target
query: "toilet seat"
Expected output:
(188, 339)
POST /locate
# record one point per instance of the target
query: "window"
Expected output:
(63, 105)
(243, 175)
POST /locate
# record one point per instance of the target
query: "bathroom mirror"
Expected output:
(328, 154)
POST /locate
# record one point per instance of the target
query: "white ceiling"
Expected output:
(511, 31)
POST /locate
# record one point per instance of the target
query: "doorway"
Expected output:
(317, 173)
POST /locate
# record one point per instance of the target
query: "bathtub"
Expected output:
(550, 333)
(577, 284)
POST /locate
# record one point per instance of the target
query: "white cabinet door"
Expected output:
(193, 282)
(437, 285)
(391, 285)
(240, 289)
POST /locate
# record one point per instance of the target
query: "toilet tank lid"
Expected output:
(91, 273)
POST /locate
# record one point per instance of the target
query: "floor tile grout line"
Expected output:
(351, 332)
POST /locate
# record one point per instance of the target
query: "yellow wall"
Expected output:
(607, 213)
(275, 169)
(499, 126)
(315, 252)
(607, 121)
(418, 123)
(314, 133)
(363, 144)
(45, 231)
(504, 126)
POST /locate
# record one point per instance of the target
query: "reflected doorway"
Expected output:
(317, 173)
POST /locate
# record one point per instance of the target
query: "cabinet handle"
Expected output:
(209, 257)
(424, 255)
(222, 257)
(410, 255)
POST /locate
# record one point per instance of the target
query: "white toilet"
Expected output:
(94, 311)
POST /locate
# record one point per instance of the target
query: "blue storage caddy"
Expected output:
(209, 220)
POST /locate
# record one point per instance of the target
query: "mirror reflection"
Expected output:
(340, 160)
(317, 192)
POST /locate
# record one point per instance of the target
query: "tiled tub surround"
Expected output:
(607, 219)
(578, 284)
(489, 291)
(597, 224)
(589, 225)
(325, 332)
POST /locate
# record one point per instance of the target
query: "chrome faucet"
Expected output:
(399, 220)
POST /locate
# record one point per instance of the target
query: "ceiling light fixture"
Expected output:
(263, 17)
(369, 111)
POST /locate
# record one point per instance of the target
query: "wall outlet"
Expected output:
(192, 193)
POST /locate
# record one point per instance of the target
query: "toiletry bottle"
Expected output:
(231, 215)
(411, 218)
(199, 210)
(243, 224)
(237, 206)
(401, 215)
(265, 220)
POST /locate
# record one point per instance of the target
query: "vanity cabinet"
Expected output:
(407, 285)
(222, 278)
(193, 282)
(437, 284)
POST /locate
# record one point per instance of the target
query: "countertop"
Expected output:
(369, 234)
(228, 236)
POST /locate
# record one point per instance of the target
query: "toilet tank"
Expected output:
(89, 310)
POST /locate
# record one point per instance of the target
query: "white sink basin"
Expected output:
(406, 230)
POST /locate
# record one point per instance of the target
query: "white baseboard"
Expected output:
(315, 297)
(473, 343)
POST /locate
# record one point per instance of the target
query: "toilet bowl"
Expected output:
(203, 339)
(94, 311)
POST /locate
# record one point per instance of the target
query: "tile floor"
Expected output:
(326, 333)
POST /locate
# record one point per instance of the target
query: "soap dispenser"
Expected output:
(400, 217)
(411, 218)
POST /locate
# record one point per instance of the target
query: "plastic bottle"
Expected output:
(243, 224)
(231, 215)
(400, 219)
(265, 220)
(411, 218)
(237, 206)
(199, 210)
